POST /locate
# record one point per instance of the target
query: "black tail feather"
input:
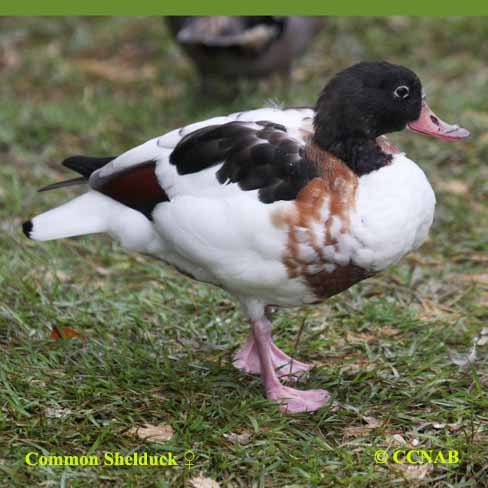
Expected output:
(86, 165)
(27, 228)
(62, 184)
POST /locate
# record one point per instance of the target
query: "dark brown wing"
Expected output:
(137, 187)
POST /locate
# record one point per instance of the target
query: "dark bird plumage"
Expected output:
(244, 46)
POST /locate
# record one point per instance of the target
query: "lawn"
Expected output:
(156, 347)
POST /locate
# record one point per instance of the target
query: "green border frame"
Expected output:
(246, 7)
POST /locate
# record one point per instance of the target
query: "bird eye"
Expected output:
(401, 92)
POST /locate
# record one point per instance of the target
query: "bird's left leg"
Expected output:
(247, 359)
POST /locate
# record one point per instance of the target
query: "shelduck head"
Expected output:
(370, 99)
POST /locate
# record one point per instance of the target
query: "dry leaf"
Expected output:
(463, 360)
(454, 427)
(418, 258)
(299, 74)
(371, 422)
(354, 368)
(115, 70)
(335, 407)
(57, 412)
(395, 439)
(390, 331)
(481, 300)
(52, 276)
(480, 278)
(159, 396)
(482, 340)
(202, 482)
(242, 439)
(413, 471)
(456, 187)
(431, 310)
(58, 333)
(355, 431)
(103, 271)
(153, 433)
(360, 337)
(479, 434)
(479, 258)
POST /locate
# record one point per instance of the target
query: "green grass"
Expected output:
(158, 346)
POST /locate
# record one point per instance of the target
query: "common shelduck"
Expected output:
(244, 46)
(279, 207)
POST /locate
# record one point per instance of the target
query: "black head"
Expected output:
(361, 103)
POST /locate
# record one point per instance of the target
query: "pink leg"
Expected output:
(291, 400)
(247, 359)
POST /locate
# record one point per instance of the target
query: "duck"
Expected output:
(231, 47)
(280, 207)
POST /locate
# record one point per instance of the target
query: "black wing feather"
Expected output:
(86, 165)
(263, 158)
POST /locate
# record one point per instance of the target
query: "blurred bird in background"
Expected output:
(234, 47)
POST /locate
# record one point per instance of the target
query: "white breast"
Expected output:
(232, 241)
(393, 214)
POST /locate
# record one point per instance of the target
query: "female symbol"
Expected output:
(189, 456)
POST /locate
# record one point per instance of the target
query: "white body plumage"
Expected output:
(223, 235)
